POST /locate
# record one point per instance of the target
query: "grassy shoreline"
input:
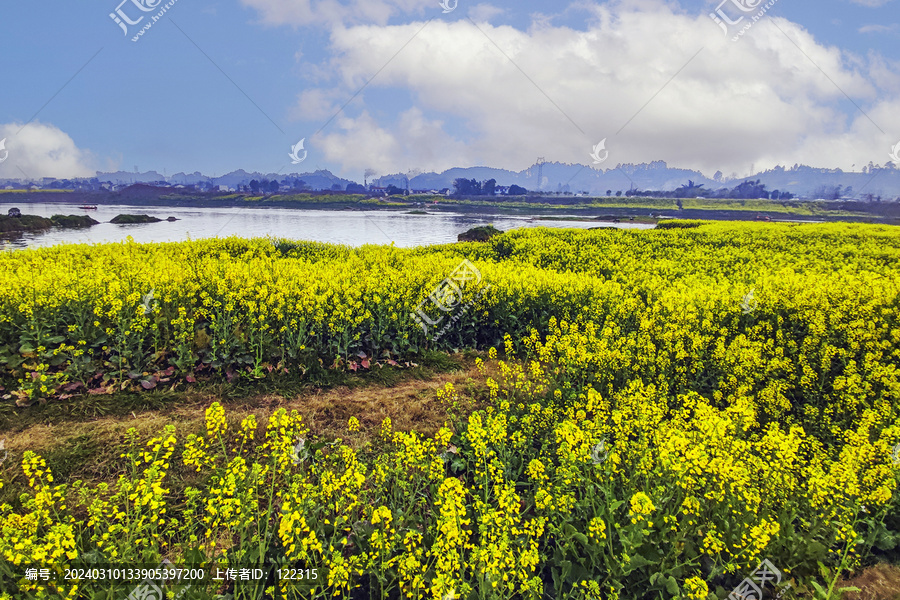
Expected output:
(710, 209)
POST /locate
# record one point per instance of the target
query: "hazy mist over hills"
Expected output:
(800, 180)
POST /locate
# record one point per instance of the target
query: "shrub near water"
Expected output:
(737, 427)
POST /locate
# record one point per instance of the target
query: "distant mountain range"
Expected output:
(318, 180)
(802, 181)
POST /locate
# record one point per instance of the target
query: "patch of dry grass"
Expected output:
(881, 582)
(88, 449)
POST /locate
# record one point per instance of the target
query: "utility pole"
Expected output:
(540, 181)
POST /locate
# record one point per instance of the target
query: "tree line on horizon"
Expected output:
(745, 191)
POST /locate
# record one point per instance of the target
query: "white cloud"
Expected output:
(485, 12)
(773, 97)
(879, 28)
(410, 142)
(316, 103)
(41, 150)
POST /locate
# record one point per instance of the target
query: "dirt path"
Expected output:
(77, 447)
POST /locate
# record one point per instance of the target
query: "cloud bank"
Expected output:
(655, 81)
(42, 150)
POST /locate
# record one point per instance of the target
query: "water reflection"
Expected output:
(349, 227)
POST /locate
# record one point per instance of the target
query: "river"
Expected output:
(348, 227)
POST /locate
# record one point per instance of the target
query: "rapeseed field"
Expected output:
(671, 413)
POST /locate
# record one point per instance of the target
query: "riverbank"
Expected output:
(546, 206)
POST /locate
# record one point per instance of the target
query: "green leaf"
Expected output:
(817, 551)
(672, 586)
(886, 540)
(26, 348)
(637, 561)
(581, 538)
(823, 570)
(566, 569)
(822, 592)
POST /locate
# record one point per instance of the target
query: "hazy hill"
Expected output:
(802, 181)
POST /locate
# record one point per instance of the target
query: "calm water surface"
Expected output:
(352, 228)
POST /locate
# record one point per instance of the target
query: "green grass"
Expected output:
(81, 438)
(479, 234)
(309, 198)
(132, 219)
(73, 221)
(787, 207)
(33, 191)
(122, 404)
(24, 223)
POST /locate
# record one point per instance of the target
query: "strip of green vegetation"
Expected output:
(678, 224)
(33, 191)
(36, 223)
(479, 234)
(132, 219)
(73, 221)
(310, 198)
(24, 223)
(799, 208)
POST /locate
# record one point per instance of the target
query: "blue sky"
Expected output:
(215, 86)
